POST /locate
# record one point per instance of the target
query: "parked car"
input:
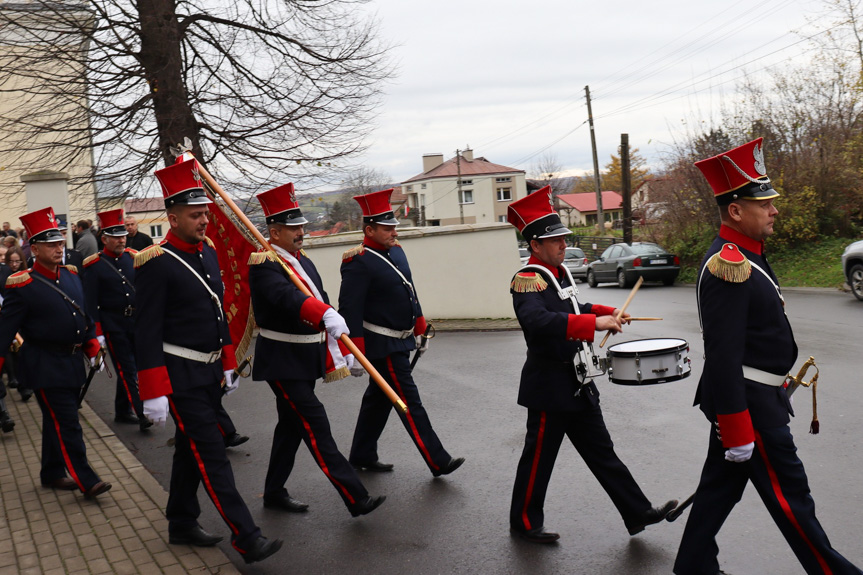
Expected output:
(624, 264)
(523, 255)
(852, 264)
(576, 262)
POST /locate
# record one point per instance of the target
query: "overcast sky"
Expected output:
(508, 78)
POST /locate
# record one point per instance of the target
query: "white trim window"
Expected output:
(502, 180)
(465, 197)
(156, 231)
(504, 194)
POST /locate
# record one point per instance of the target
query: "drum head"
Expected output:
(647, 347)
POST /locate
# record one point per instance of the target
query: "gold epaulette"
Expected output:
(19, 279)
(303, 253)
(147, 254)
(257, 258)
(353, 252)
(525, 282)
(397, 243)
(337, 374)
(90, 260)
(71, 268)
(131, 251)
(209, 242)
(729, 264)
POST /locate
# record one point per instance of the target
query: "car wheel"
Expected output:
(855, 279)
(591, 278)
(668, 281)
(621, 279)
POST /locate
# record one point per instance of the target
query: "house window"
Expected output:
(501, 219)
(503, 180)
(467, 182)
(410, 188)
(156, 231)
(465, 197)
(423, 186)
(504, 194)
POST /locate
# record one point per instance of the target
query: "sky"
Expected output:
(507, 78)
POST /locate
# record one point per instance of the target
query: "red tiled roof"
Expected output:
(137, 205)
(475, 167)
(586, 202)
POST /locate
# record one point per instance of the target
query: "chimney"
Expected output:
(467, 154)
(431, 161)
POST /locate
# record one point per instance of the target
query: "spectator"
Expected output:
(8, 231)
(86, 244)
(136, 240)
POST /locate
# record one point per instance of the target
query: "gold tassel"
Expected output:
(241, 348)
(131, 251)
(91, 260)
(337, 374)
(19, 279)
(72, 269)
(734, 272)
(353, 252)
(147, 254)
(257, 258)
(528, 282)
(815, 426)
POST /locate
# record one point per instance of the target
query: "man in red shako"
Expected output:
(46, 305)
(748, 350)
(297, 344)
(109, 285)
(379, 302)
(183, 349)
(560, 398)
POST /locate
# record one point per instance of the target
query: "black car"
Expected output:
(624, 264)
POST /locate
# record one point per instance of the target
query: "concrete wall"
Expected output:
(460, 272)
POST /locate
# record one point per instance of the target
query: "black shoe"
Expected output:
(366, 506)
(97, 489)
(13, 384)
(285, 503)
(449, 467)
(6, 422)
(538, 535)
(234, 440)
(62, 483)
(144, 424)
(26, 394)
(130, 418)
(653, 515)
(261, 549)
(376, 466)
(195, 536)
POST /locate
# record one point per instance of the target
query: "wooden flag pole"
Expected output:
(358, 355)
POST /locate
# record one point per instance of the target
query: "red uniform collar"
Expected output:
(111, 254)
(538, 262)
(368, 242)
(37, 267)
(744, 241)
(183, 246)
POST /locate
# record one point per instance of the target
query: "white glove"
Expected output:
(98, 362)
(357, 369)
(156, 409)
(335, 324)
(350, 360)
(423, 343)
(232, 383)
(740, 453)
(101, 340)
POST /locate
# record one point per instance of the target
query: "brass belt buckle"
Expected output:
(128, 311)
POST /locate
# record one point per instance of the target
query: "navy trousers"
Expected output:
(62, 439)
(375, 410)
(121, 346)
(778, 476)
(588, 434)
(302, 417)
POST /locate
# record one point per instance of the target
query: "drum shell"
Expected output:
(651, 361)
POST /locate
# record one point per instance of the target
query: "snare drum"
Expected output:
(648, 361)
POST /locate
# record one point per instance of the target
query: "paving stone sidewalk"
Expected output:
(44, 531)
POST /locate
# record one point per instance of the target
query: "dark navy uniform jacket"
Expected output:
(108, 294)
(50, 326)
(372, 291)
(744, 323)
(553, 333)
(281, 307)
(174, 307)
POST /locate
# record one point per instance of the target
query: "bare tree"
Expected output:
(361, 181)
(546, 170)
(266, 91)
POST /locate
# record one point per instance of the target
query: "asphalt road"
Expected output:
(459, 523)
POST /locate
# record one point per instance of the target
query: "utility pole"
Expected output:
(627, 188)
(458, 169)
(600, 220)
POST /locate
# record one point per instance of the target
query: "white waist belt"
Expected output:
(185, 352)
(398, 334)
(764, 377)
(293, 337)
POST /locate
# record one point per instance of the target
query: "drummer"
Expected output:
(559, 399)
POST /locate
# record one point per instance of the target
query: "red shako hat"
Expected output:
(181, 183)
(281, 207)
(41, 226)
(112, 223)
(534, 216)
(376, 208)
(738, 174)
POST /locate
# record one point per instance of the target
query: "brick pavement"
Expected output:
(124, 531)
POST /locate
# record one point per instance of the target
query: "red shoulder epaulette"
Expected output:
(729, 264)
(525, 282)
(19, 279)
(147, 254)
(353, 252)
(90, 260)
(131, 251)
(71, 268)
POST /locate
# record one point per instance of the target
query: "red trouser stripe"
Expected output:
(533, 469)
(60, 439)
(314, 446)
(120, 372)
(786, 508)
(205, 478)
(414, 431)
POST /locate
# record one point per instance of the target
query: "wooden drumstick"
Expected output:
(644, 319)
(623, 309)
